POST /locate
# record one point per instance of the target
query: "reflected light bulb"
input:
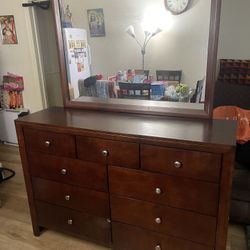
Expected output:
(155, 19)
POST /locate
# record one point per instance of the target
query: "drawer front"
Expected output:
(83, 200)
(50, 143)
(198, 165)
(129, 237)
(124, 154)
(69, 171)
(73, 222)
(174, 191)
(174, 222)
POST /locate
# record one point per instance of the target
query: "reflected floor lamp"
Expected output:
(147, 37)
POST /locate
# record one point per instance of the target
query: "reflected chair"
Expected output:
(139, 91)
(169, 75)
(142, 72)
(196, 98)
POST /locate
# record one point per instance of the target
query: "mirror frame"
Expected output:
(143, 108)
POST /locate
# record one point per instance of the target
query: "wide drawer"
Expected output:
(174, 191)
(73, 222)
(127, 237)
(198, 165)
(50, 143)
(124, 154)
(70, 171)
(163, 219)
(83, 200)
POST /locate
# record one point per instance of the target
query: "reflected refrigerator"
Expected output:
(78, 58)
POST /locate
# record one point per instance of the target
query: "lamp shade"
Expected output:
(131, 31)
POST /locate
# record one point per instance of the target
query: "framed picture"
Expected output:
(96, 22)
(8, 30)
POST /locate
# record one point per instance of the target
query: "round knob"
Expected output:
(158, 191)
(177, 164)
(108, 220)
(67, 197)
(158, 220)
(47, 144)
(63, 171)
(105, 153)
(158, 247)
(70, 222)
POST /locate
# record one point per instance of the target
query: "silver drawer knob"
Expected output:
(67, 197)
(105, 153)
(70, 222)
(63, 171)
(108, 220)
(158, 220)
(47, 144)
(158, 247)
(177, 164)
(158, 191)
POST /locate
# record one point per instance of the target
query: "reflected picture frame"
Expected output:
(96, 22)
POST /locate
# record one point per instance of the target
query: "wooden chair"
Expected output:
(169, 75)
(135, 90)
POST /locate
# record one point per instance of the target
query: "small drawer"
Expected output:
(69, 171)
(198, 165)
(129, 237)
(124, 154)
(83, 200)
(174, 191)
(50, 143)
(73, 222)
(162, 219)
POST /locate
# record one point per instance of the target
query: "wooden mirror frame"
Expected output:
(143, 108)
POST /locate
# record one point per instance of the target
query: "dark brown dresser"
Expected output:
(129, 182)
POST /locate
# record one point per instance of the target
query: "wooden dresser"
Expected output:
(129, 182)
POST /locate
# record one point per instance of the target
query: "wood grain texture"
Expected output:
(198, 165)
(58, 144)
(118, 152)
(80, 199)
(133, 238)
(174, 222)
(184, 193)
(78, 173)
(204, 135)
(16, 230)
(83, 225)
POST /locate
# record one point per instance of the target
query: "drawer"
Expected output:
(162, 219)
(69, 171)
(73, 222)
(124, 154)
(83, 200)
(198, 165)
(174, 191)
(129, 237)
(50, 143)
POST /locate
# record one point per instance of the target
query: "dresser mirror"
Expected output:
(136, 56)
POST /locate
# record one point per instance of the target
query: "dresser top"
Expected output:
(218, 132)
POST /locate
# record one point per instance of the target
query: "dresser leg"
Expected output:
(37, 230)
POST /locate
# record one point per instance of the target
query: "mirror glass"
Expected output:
(136, 52)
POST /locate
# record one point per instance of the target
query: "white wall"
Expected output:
(20, 58)
(234, 40)
(184, 47)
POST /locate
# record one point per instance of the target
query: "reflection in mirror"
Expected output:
(136, 50)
